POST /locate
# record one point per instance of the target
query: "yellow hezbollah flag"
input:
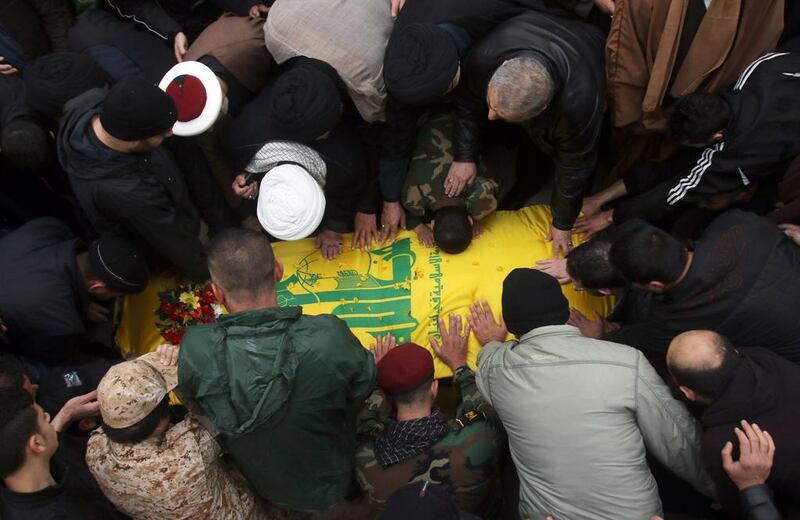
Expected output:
(400, 288)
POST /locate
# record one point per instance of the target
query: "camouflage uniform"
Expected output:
(463, 462)
(424, 188)
(177, 476)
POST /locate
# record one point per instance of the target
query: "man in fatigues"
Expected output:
(425, 192)
(412, 441)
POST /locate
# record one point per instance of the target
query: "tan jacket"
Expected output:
(643, 43)
(349, 35)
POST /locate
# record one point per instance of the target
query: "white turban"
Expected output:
(291, 202)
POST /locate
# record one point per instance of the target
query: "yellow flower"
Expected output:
(190, 300)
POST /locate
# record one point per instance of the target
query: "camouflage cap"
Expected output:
(132, 389)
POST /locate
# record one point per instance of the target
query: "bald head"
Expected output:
(702, 362)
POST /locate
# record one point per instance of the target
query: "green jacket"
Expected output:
(277, 385)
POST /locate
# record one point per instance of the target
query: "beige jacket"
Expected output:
(580, 414)
(349, 35)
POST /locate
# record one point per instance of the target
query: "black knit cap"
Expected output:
(135, 109)
(304, 103)
(53, 79)
(420, 63)
(420, 501)
(119, 264)
(532, 299)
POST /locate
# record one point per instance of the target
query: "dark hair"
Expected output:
(452, 231)
(241, 262)
(648, 254)
(414, 396)
(589, 264)
(709, 381)
(11, 376)
(141, 430)
(18, 421)
(24, 144)
(697, 116)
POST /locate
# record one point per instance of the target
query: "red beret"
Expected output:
(189, 95)
(404, 368)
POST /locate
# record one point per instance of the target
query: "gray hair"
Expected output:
(522, 87)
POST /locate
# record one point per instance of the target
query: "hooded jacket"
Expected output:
(569, 128)
(765, 390)
(277, 385)
(140, 195)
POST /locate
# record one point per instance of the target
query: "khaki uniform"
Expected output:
(178, 476)
(429, 166)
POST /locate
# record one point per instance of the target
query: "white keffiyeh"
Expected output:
(291, 202)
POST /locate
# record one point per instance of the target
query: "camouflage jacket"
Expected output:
(424, 188)
(463, 462)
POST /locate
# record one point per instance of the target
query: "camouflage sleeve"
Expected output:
(482, 198)
(471, 397)
(372, 418)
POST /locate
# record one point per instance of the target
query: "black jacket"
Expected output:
(43, 293)
(756, 504)
(743, 282)
(569, 129)
(165, 19)
(765, 390)
(142, 196)
(37, 26)
(472, 20)
(762, 137)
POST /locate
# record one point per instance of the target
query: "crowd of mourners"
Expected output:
(141, 138)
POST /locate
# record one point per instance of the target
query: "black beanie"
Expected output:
(532, 299)
(135, 109)
(119, 264)
(304, 103)
(420, 501)
(420, 63)
(53, 79)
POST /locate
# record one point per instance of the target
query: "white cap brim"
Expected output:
(214, 97)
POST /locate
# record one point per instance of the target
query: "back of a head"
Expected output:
(119, 264)
(241, 262)
(648, 254)
(452, 231)
(53, 79)
(136, 110)
(698, 116)
(25, 145)
(18, 421)
(11, 376)
(702, 361)
(590, 265)
(522, 87)
(532, 299)
(304, 102)
(420, 63)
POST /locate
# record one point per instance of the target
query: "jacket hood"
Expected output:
(79, 151)
(249, 373)
(754, 389)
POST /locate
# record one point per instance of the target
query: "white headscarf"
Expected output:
(291, 202)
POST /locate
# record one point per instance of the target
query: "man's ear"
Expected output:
(433, 224)
(471, 220)
(689, 393)
(605, 292)
(719, 135)
(97, 286)
(219, 294)
(36, 443)
(656, 287)
(435, 388)
(278, 271)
